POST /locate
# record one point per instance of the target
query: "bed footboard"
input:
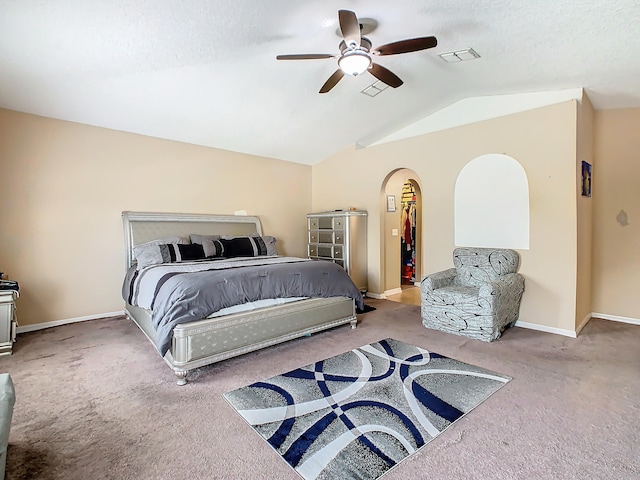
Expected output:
(200, 343)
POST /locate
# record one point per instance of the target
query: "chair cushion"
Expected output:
(476, 266)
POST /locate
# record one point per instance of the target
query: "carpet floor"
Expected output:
(95, 401)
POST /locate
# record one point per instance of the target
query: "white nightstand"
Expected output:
(8, 320)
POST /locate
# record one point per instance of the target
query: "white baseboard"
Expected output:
(378, 296)
(56, 323)
(385, 294)
(583, 323)
(616, 318)
(569, 333)
(393, 291)
(543, 328)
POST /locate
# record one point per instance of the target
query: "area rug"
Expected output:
(365, 309)
(360, 413)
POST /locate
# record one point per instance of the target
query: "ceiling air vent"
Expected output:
(375, 88)
(459, 55)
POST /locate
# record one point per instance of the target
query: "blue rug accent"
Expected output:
(360, 413)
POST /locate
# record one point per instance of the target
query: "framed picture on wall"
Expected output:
(586, 179)
(391, 203)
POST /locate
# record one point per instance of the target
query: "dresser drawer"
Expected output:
(325, 237)
(326, 223)
(321, 251)
(339, 236)
(321, 236)
(325, 251)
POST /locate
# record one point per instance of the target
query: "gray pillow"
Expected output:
(270, 242)
(149, 253)
(212, 248)
(196, 238)
(154, 254)
(162, 241)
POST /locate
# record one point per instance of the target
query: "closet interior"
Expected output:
(408, 236)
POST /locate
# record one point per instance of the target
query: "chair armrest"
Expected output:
(509, 284)
(438, 279)
(7, 400)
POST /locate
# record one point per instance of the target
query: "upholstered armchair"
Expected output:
(478, 298)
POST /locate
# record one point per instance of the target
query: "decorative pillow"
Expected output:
(212, 248)
(270, 242)
(196, 238)
(243, 246)
(153, 254)
(161, 241)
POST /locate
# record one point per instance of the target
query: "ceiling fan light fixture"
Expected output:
(354, 62)
(356, 53)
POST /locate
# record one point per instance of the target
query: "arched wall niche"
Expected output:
(492, 203)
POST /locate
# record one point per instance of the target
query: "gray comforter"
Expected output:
(180, 297)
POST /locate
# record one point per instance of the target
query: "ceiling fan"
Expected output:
(356, 52)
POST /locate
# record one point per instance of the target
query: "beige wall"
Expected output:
(585, 214)
(542, 140)
(64, 186)
(616, 189)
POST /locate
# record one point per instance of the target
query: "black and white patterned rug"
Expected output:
(360, 413)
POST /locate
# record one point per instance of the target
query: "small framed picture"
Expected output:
(391, 203)
(586, 179)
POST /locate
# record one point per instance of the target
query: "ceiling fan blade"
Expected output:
(406, 46)
(332, 81)
(305, 56)
(350, 27)
(385, 75)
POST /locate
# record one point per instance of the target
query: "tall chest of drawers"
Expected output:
(8, 322)
(341, 237)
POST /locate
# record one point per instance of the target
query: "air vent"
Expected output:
(375, 88)
(459, 55)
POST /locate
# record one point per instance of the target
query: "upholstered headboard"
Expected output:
(141, 227)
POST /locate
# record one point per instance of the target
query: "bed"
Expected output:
(199, 336)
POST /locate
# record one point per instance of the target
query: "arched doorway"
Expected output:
(402, 236)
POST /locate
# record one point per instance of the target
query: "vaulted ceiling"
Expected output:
(205, 71)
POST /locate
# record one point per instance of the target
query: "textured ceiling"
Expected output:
(205, 72)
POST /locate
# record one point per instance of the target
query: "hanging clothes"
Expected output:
(408, 233)
(407, 230)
